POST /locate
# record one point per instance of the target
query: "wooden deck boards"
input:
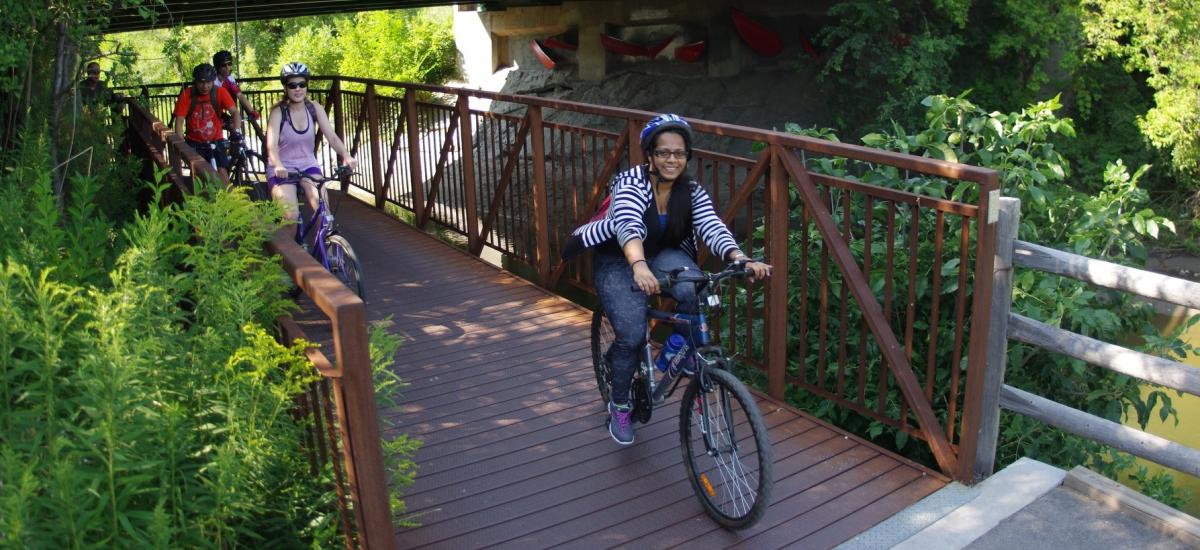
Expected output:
(515, 451)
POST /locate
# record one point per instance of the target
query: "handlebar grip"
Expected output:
(664, 283)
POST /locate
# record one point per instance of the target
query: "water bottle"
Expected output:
(669, 350)
(670, 360)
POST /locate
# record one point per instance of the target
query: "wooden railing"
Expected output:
(875, 325)
(1006, 326)
(344, 396)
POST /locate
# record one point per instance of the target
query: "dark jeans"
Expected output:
(625, 308)
(211, 150)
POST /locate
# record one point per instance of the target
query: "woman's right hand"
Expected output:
(644, 278)
(281, 172)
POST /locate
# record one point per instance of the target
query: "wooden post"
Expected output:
(635, 143)
(540, 206)
(367, 473)
(997, 341)
(775, 342)
(335, 110)
(335, 103)
(468, 165)
(373, 133)
(414, 156)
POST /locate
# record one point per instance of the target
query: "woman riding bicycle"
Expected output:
(291, 147)
(657, 210)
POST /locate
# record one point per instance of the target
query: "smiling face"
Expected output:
(204, 86)
(224, 69)
(669, 155)
(296, 88)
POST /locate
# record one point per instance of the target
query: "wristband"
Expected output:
(636, 261)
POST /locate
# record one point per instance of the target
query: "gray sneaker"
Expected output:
(620, 423)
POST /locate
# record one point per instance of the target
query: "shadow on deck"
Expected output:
(515, 450)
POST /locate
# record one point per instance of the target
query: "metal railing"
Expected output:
(890, 289)
(344, 395)
(1005, 326)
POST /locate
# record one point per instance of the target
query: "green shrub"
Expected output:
(143, 400)
(1112, 223)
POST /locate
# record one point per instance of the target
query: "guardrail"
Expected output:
(344, 396)
(1006, 326)
(875, 329)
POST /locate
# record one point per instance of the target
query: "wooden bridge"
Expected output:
(888, 317)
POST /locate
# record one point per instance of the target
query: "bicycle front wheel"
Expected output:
(726, 450)
(343, 263)
(602, 338)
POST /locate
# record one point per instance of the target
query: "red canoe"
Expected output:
(541, 54)
(618, 46)
(558, 44)
(759, 37)
(689, 53)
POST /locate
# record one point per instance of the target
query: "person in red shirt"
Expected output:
(223, 61)
(198, 110)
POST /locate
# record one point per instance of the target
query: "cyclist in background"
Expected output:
(650, 228)
(292, 137)
(198, 111)
(92, 90)
(223, 61)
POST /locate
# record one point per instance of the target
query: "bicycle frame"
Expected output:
(322, 222)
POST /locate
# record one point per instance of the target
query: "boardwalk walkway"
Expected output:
(515, 452)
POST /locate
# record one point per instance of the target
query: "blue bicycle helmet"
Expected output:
(663, 123)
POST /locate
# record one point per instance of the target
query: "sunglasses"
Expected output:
(227, 64)
(93, 72)
(295, 85)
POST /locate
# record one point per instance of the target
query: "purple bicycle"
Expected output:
(329, 248)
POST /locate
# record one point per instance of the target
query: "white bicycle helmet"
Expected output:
(294, 69)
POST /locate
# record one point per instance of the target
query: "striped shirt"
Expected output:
(632, 193)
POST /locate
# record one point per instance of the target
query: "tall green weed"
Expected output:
(143, 400)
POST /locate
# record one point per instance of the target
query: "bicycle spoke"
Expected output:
(726, 450)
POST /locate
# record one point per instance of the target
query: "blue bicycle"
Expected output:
(332, 250)
(721, 431)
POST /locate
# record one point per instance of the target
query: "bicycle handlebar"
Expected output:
(338, 173)
(736, 268)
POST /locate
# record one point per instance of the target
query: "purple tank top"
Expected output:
(296, 146)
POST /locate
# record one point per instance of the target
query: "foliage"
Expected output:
(870, 57)
(1113, 224)
(414, 46)
(142, 400)
(1124, 70)
(1159, 41)
(406, 45)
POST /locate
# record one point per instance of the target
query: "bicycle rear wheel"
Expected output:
(726, 450)
(343, 263)
(602, 338)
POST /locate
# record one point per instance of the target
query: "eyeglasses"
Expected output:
(294, 85)
(663, 154)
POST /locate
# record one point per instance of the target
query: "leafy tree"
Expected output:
(413, 46)
(1159, 41)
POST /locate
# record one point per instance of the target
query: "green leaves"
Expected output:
(142, 397)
